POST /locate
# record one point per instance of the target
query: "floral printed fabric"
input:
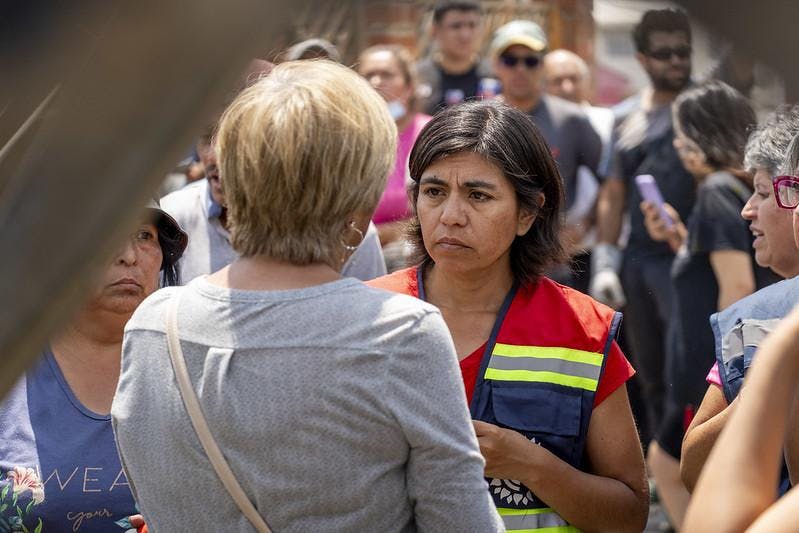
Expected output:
(59, 467)
(21, 490)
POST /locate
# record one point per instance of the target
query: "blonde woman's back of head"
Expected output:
(300, 152)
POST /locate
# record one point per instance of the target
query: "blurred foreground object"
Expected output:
(99, 100)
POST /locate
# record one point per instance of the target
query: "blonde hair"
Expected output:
(299, 152)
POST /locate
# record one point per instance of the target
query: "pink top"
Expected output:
(713, 376)
(394, 204)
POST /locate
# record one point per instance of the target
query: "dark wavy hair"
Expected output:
(445, 6)
(719, 120)
(507, 138)
(664, 20)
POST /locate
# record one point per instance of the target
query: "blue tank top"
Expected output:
(59, 467)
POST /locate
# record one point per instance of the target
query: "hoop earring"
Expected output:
(349, 247)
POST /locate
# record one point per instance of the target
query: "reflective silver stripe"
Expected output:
(749, 332)
(518, 522)
(560, 366)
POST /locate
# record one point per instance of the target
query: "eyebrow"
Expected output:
(471, 184)
(434, 180)
(479, 184)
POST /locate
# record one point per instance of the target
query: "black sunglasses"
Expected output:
(511, 61)
(664, 54)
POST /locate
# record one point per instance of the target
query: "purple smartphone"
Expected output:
(650, 192)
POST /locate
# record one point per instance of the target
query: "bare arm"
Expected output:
(792, 443)
(612, 496)
(732, 499)
(779, 517)
(702, 434)
(734, 275)
(610, 210)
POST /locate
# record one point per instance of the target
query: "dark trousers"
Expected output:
(647, 285)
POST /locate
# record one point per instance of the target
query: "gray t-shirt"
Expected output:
(209, 246)
(339, 407)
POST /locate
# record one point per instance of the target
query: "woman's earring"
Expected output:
(349, 247)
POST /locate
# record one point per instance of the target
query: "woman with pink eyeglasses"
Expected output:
(714, 264)
(762, 428)
(739, 329)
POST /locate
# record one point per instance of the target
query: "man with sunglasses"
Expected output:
(454, 72)
(517, 50)
(643, 144)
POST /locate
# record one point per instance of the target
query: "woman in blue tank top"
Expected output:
(59, 467)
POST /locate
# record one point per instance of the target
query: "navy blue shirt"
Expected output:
(59, 467)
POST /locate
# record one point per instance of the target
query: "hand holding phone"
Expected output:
(650, 192)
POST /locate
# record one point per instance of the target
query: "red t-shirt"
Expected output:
(616, 373)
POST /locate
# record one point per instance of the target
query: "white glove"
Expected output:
(605, 283)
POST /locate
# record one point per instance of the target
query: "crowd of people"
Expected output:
(389, 297)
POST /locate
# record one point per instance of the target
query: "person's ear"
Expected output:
(527, 216)
(642, 60)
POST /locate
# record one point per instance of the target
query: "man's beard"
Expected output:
(664, 83)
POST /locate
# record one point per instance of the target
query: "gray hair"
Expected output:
(768, 144)
(791, 164)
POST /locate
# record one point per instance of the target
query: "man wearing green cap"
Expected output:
(517, 49)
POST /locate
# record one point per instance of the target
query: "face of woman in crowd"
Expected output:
(383, 72)
(692, 157)
(469, 214)
(133, 273)
(208, 160)
(772, 227)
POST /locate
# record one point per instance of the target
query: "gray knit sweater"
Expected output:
(339, 407)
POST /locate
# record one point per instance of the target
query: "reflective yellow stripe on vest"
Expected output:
(543, 520)
(542, 364)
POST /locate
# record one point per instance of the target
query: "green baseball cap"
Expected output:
(524, 32)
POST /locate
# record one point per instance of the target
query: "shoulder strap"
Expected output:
(207, 440)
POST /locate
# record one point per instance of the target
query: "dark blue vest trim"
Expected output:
(613, 333)
(480, 401)
(420, 285)
(479, 404)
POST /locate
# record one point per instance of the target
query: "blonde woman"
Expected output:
(338, 407)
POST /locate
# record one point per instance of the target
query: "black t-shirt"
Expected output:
(440, 88)
(571, 139)
(455, 88)
(643, 144)
(715, 224)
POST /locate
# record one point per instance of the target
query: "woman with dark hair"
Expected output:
(59, 466)
(306, 401)
(542, 372)
(736, 491)
(715, 265)
(769, 212)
